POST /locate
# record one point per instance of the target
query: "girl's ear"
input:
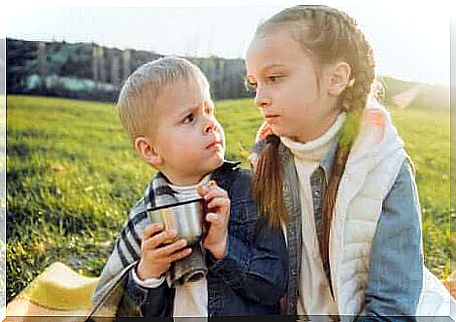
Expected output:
(148, 151)
(339, 78)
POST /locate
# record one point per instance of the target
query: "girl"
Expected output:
(333, 172)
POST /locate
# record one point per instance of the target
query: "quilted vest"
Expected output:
(371, 170)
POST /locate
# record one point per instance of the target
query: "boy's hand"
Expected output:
(156, 257)
(218, 204)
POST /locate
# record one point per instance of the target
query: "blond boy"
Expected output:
(166, 108)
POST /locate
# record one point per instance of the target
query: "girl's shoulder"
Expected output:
(404, 183)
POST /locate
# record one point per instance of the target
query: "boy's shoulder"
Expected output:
(140, 207)
(138, 211)
(229, 173)
(235, 180)
(137, 219)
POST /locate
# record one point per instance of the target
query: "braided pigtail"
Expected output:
(267, 183)
(358, 53)
(328, 35)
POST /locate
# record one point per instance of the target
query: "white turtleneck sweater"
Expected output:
(307, 157)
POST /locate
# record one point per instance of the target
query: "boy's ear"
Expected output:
(339, 78)
(147, 151)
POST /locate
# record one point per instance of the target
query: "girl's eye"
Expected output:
(274, 78)
(189, 118)
(250, 86)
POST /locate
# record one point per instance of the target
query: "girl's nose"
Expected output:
(262, 100)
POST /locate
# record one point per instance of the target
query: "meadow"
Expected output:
(72, 176)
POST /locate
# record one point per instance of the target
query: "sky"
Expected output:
(410, 42)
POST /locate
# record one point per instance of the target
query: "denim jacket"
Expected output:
(395, 260)
(251, 277)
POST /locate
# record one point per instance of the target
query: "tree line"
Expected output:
(90, 71)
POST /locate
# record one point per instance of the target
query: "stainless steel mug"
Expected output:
(186, 218)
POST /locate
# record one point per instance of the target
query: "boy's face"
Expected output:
(188, 137)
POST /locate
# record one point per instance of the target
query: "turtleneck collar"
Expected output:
(192, 188)
(316, 149)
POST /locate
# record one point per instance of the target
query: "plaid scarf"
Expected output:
(127, 251)
(109, 290)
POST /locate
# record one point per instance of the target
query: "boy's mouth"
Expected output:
(214, 144)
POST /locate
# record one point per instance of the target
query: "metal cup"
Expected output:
(186, 218)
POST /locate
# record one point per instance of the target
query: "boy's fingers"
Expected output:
(179, 255)
(151, 230)
(157, 240)
(219, 203)
(214, 218)
(202, 190)
(172, 248)
(216, 192)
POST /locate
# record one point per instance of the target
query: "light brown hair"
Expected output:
(139, 93)
(328, 35)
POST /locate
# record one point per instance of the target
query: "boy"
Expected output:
(165, 107)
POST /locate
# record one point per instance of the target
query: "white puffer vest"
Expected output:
(370, 172)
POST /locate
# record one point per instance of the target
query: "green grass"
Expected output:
(427, 139)
(72, 176)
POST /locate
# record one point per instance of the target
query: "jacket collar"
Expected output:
(219, 175)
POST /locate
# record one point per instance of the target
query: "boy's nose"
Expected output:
(210, 126)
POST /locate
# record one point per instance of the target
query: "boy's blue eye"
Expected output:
(189, 118)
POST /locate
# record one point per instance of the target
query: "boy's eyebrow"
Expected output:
(191, 108)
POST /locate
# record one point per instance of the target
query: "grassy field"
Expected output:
(72, 176)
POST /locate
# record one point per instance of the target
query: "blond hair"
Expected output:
(140, 91)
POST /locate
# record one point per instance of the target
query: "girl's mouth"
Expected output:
(271, 117)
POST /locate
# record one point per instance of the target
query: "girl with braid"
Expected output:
(331, 172)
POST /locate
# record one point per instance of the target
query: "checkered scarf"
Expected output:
(126, 253)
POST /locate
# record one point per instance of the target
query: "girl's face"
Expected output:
(292, 99)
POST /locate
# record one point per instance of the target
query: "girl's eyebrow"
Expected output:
(265, 69)
(273, 65)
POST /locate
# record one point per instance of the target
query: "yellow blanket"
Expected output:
(58, 290)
